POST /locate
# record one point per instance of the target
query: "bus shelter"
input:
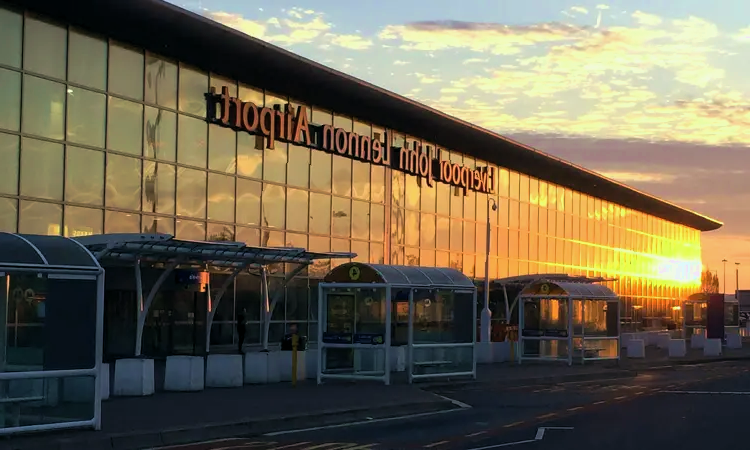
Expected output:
(51, 338)
(567, 321)
(375, 319)
(695, 314)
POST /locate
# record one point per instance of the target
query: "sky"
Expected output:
(655, 94)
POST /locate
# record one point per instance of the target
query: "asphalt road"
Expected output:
(689, 407)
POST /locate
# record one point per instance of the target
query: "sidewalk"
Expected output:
(656, 358)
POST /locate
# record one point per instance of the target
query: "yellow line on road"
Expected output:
(621, 397)
(513, 424)
(544, 416)
(576, 408)
(435, 444)
(600, 402)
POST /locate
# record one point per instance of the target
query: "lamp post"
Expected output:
(724, 285)
(737, 280)
(486, 313)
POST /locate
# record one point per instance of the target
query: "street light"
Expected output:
(486, 313)
(724, 285)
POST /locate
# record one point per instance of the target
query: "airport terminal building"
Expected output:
(139, 117)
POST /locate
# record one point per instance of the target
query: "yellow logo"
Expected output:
(544, 288)
(354, 273)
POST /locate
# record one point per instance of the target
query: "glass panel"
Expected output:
(83, 221)
(320, 171)
(342, 176)
(411, 228)
(378, 184)
(361, 220)
(123, 182)
(274, 206)
(9, 155)
(191, 141)
(41, 169)
(160, 134)
(217, 232)
(43, 108)
(39, 218)
(8, 210)
(191, 193)
(86, 117)
(249, 158)
(11, 35)
(248, 202)
(45, 48)
(161, 82)
(153, 224)
(340, 217)
(274, 163)
(427, 231)
(190, 230)
(125, 71)
(158, 187)
(298, 166)
(87, 60)
(296, 210)
(361, 180)
(125, 126)
(377, 222)
(120, 222)
(222, 148)
(10, 98)
(220, 197)
(193, 89)
(320, 219)
(84, 176)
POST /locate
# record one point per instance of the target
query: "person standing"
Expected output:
(241, 330)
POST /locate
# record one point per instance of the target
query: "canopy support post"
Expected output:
(214, 304)
(145, 306)
(268, 307)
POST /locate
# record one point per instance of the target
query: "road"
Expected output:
(688, 407)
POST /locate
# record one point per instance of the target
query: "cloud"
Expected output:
(483, 37)
(743, 35)
(350, 41)
(579, 9)
(646, 19)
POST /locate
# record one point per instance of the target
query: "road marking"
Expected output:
(455, 402)
(707, 392)
(544, 416)
(507, 444)
(600, 402)
(363, 422)
(289, 446)
(476, 434)
(621, 397)
(513, 424)
(540, 432)
(435, 444)
(639, 393)
(576, 408)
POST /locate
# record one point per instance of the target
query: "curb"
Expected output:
(672, 365)
(250, 428)
(534, 381)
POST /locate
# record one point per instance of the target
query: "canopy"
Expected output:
(587, 291)
(30, 250)
(398, 275)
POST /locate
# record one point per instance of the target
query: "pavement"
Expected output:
(400, 414)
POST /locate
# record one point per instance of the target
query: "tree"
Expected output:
(709, 282)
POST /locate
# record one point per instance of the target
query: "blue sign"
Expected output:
(190, 277)
(337, 338)
(369, 338)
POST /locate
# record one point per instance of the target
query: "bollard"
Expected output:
(295, 344)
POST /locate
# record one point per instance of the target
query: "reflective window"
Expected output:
(159, 187)
(191, 193)
(298, 167)
(361, 180)
(190, 230)
(161, 82)
(39, 218)
(43, 108)
(248, 94)
(273, 206)
(191, 141)
(8, 207)
(120, 222)
(360, 220)
(217, 232)
(413, 192)
(320, 220)
(152, 224)
(220, 197)
(192, 92)
(296, 209)
(44, 48)
(377, 254)
(9, 155)
(248, 202)
(123, 182)
(429, 196)
(362, 250)
(10, 99)
(41, 169)
(250, 236)
(411, 228)
(84, 176)
(125, 126)
(222, 147)
(377, 182)
(442, 236)
(342, 176)
(82, 221)
(340, 216)
(397, 188)
(160, 134)
(274, 163)
(126, 71)
(457, 235)
(377, 222)
(443, 192)
(218, 82)
(87, 60)
(320, 171)
(427, 231)
(11, 35)
(397, 226)
(86, 117)
(249, 156)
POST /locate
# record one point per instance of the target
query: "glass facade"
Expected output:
(98, 137)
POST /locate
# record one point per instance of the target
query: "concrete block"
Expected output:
(663, 340)
(712, 347)
(285, 370)
(311, 363)
(184, 373)
(274, 367)
(677, 348)
(697, 340)
(501, 351)
(636, 348)
(224, 371)
(134, 377)
(256, 368)
(625, 338)
(398, 359)
(734, 341)
(105, 382)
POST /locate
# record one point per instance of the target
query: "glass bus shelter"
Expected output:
(566, 321)
(373, 318)
(695, 315)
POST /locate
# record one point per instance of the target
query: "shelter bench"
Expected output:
(15, 404)
(432, 363)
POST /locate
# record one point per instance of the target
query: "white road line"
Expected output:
(476, 434)
(455, 402)
(435, 444)
(707, 392)
(507, 444)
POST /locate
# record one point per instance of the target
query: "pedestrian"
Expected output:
(241, 329)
